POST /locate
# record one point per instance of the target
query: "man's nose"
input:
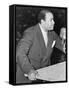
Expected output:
(53, 22)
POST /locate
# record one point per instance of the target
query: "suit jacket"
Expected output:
(32, 53)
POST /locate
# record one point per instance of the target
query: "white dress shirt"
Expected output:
(44, 33)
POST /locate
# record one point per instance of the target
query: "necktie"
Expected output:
(46, 39)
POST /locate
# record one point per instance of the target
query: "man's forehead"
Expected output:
(49, 15)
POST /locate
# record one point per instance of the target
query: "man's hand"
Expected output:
(32, 75)
(64, 48)
(63, 33)
(63, 37)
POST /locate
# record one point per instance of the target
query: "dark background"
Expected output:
(26, 16)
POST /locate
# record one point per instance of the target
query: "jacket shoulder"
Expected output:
(55, 35)
(30, 30)
(29, 33)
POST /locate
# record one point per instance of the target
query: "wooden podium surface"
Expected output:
(55, 72)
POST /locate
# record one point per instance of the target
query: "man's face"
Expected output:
(49, 22)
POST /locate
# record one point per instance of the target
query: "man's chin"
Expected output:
(50, 29)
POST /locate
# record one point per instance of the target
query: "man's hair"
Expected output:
(42, 15)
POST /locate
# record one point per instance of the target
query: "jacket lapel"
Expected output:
(50, 39)
(41, 41)
(49, 45)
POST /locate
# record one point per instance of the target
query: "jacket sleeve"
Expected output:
(22, 52)
(59, 44)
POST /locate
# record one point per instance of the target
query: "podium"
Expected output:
(55, 72)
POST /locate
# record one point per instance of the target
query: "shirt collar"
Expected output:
(42, 30)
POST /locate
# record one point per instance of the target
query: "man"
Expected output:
(35, 48)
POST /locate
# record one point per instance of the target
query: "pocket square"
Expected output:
(53, 43)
